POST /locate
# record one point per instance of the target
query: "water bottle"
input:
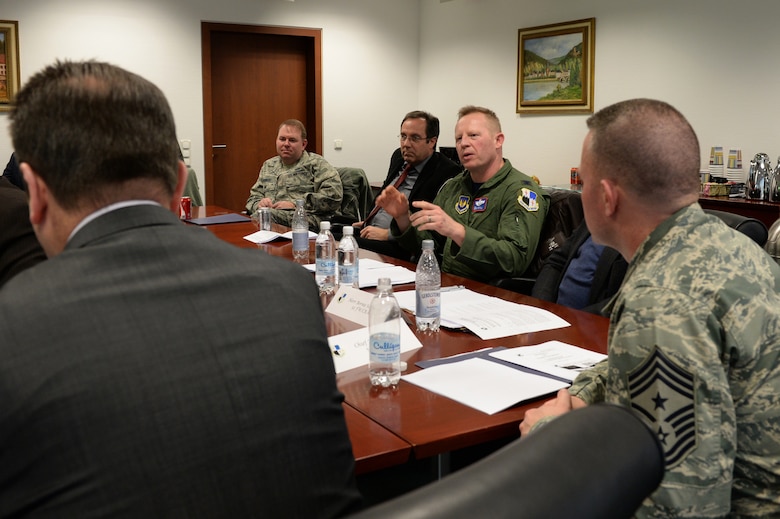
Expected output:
(384, 337)
(325, 273)
(348, 258)
(300, 233)
(427, 285)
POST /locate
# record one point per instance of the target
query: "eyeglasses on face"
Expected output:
(414, 138)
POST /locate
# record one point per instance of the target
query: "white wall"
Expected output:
(713, 59)
(367, 45)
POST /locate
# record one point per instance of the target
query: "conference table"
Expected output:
(389, 426)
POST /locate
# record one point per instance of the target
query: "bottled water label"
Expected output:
(300, 240)
(347, 274)
(385, 347)
(325, 267)
(428, 304)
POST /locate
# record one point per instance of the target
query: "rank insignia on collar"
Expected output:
(462, 205)
(663, 393)
(480, 204)
(527, 200)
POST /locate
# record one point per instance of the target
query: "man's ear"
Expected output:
(38, 192)
(610, 196)
(181, 183)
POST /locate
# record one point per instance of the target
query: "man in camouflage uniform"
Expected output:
(694, 340)
(485, 221)
(296, 173)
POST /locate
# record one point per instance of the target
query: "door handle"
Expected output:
(219, 146)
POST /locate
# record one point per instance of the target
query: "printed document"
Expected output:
(486, 316)
(553, 357)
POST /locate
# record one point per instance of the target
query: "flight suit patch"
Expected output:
(462, 205)
(480, 204)
(527, 200)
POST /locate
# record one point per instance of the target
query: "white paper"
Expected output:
(553, 357)
(266, 236)
(488, 317)
(350, 350)
(369, 272)
(484, 385)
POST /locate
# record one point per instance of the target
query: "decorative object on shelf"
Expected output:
(734, 170)
(555, 67)
(772, 245)
(9, 63)
(774, 183)
(757, 187)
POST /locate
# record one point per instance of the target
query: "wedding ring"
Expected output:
(429, 219)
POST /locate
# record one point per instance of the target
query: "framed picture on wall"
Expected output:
(9, 62)
(555, 66)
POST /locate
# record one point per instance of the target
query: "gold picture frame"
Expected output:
(9, 63)
(555, 67)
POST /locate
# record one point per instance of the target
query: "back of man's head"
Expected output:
(89, 129)
(648, 147)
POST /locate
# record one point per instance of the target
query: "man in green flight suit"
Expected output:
(296, 173)
(694, 336)
(485, 221)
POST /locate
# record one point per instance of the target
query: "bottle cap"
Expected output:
(347, 230)
(427, 244)
(324, 226)
(384, 284)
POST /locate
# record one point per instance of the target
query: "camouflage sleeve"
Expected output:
(590, 384)
(328, 191)
(257, 192)
(665, 363)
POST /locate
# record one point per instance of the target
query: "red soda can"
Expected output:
(186, 208)
(575, 176)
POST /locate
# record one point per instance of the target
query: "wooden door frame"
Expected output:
(314, 66)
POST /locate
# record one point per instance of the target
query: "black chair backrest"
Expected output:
(564, 216)
(750, 227)
(596, 462)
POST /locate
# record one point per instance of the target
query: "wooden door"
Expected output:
(253, 79)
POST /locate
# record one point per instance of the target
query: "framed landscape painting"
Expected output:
(555, 66)
(9, 62)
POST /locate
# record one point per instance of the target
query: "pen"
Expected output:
(453, 287)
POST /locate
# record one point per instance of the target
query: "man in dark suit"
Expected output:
(148, 368)
(19, 248)
(581, 274)
(427, 171)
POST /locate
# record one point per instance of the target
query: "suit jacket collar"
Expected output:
(122, 219)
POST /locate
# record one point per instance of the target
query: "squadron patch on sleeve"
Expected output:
(462, 205)
(527, 200)
(662, 392)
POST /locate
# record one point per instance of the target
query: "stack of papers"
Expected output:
(266, 236)
(370, 270)
(484, 381)
(487, 317)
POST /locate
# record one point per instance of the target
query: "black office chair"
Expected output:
(562, 219)
(597, 462)
(750, 227)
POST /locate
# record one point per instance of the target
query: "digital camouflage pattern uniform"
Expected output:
(312, 178)
(503, 221)
(694, 346)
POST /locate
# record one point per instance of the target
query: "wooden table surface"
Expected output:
(430, 424)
